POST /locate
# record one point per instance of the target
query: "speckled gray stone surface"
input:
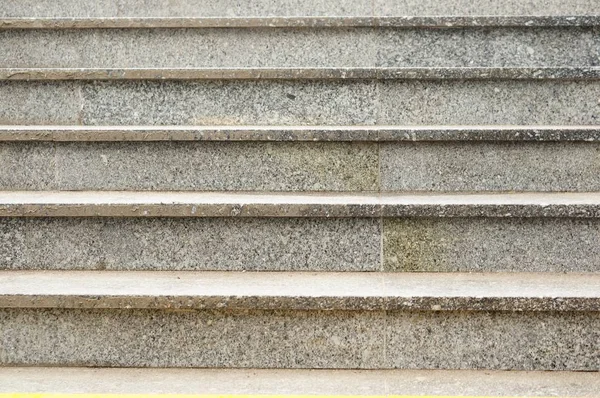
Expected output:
(199, 339)
(488, 102)
(300, 133)
(185, 8)
(493, 340)
(190, 166)
(229, 103)
(220, 8)
(302, 103)
(299, 339)
(325, 73)
(268, 47)
(486, 7)
(248, 166)
(491, 245)
(39, 103)
(186, 244)
(490, 167)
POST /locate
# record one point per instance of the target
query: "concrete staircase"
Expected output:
(417, 182)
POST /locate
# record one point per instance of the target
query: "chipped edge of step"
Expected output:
(54, 133)
(299, 291)
(327, 73)
(287, 204)
(299, 22)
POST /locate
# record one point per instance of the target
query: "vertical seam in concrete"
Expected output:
(81, 104)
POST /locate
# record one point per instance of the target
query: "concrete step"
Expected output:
(229, 8)
(380, 73)
(232, 383)
(300, 133)
(555, 232)
(301, 102)
(292, 47)
(297, 320)
(296, 158)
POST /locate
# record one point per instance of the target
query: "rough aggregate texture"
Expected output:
(298, 339)
(302, 103)
(190, 166)
(491, 245)
(494, 166)
(185, 244)
(221, 8)
(300, 48)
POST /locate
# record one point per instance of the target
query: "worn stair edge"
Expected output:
(300, 22)
(333, 73)
(299, 291)
(298, 133)
(286, 204)
(297, 382)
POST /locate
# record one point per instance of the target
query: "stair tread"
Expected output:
(301, 21)
(296, 204)
(286, 73)
(300, 290)
(298, 133)
(280, 382)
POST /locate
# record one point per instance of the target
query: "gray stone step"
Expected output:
(441, 21)
(300, 133)
(325, 383)
(296, 320)
(301, 102)
(229, 8)
(296, 158)
(380, 73)
(302, 232)
(268, 47)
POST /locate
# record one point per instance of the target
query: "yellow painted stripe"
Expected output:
(55, 395)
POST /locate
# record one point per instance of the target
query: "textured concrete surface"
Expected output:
(229, 103)
(207, 166)
(287, 166)
(302, 103)
(441, 21)
(186, 244)
(286, 204)
(219, 8)
(327, 73)
(486, 7)
(490, 167)
(186, 8)
(300, 133)
(301, 339)
(297, 48)
(190, 338)
(218, 166)
(296, 382)
(488, 102)
(493, 340)
(491, 245)
(39, 103)
(300, 291)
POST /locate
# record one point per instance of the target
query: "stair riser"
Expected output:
(301, 103)
(413, 244)
(299, 339)
(267, 47)
(301, 166)
(219, 8)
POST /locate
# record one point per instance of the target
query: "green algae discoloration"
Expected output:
(414, 245)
